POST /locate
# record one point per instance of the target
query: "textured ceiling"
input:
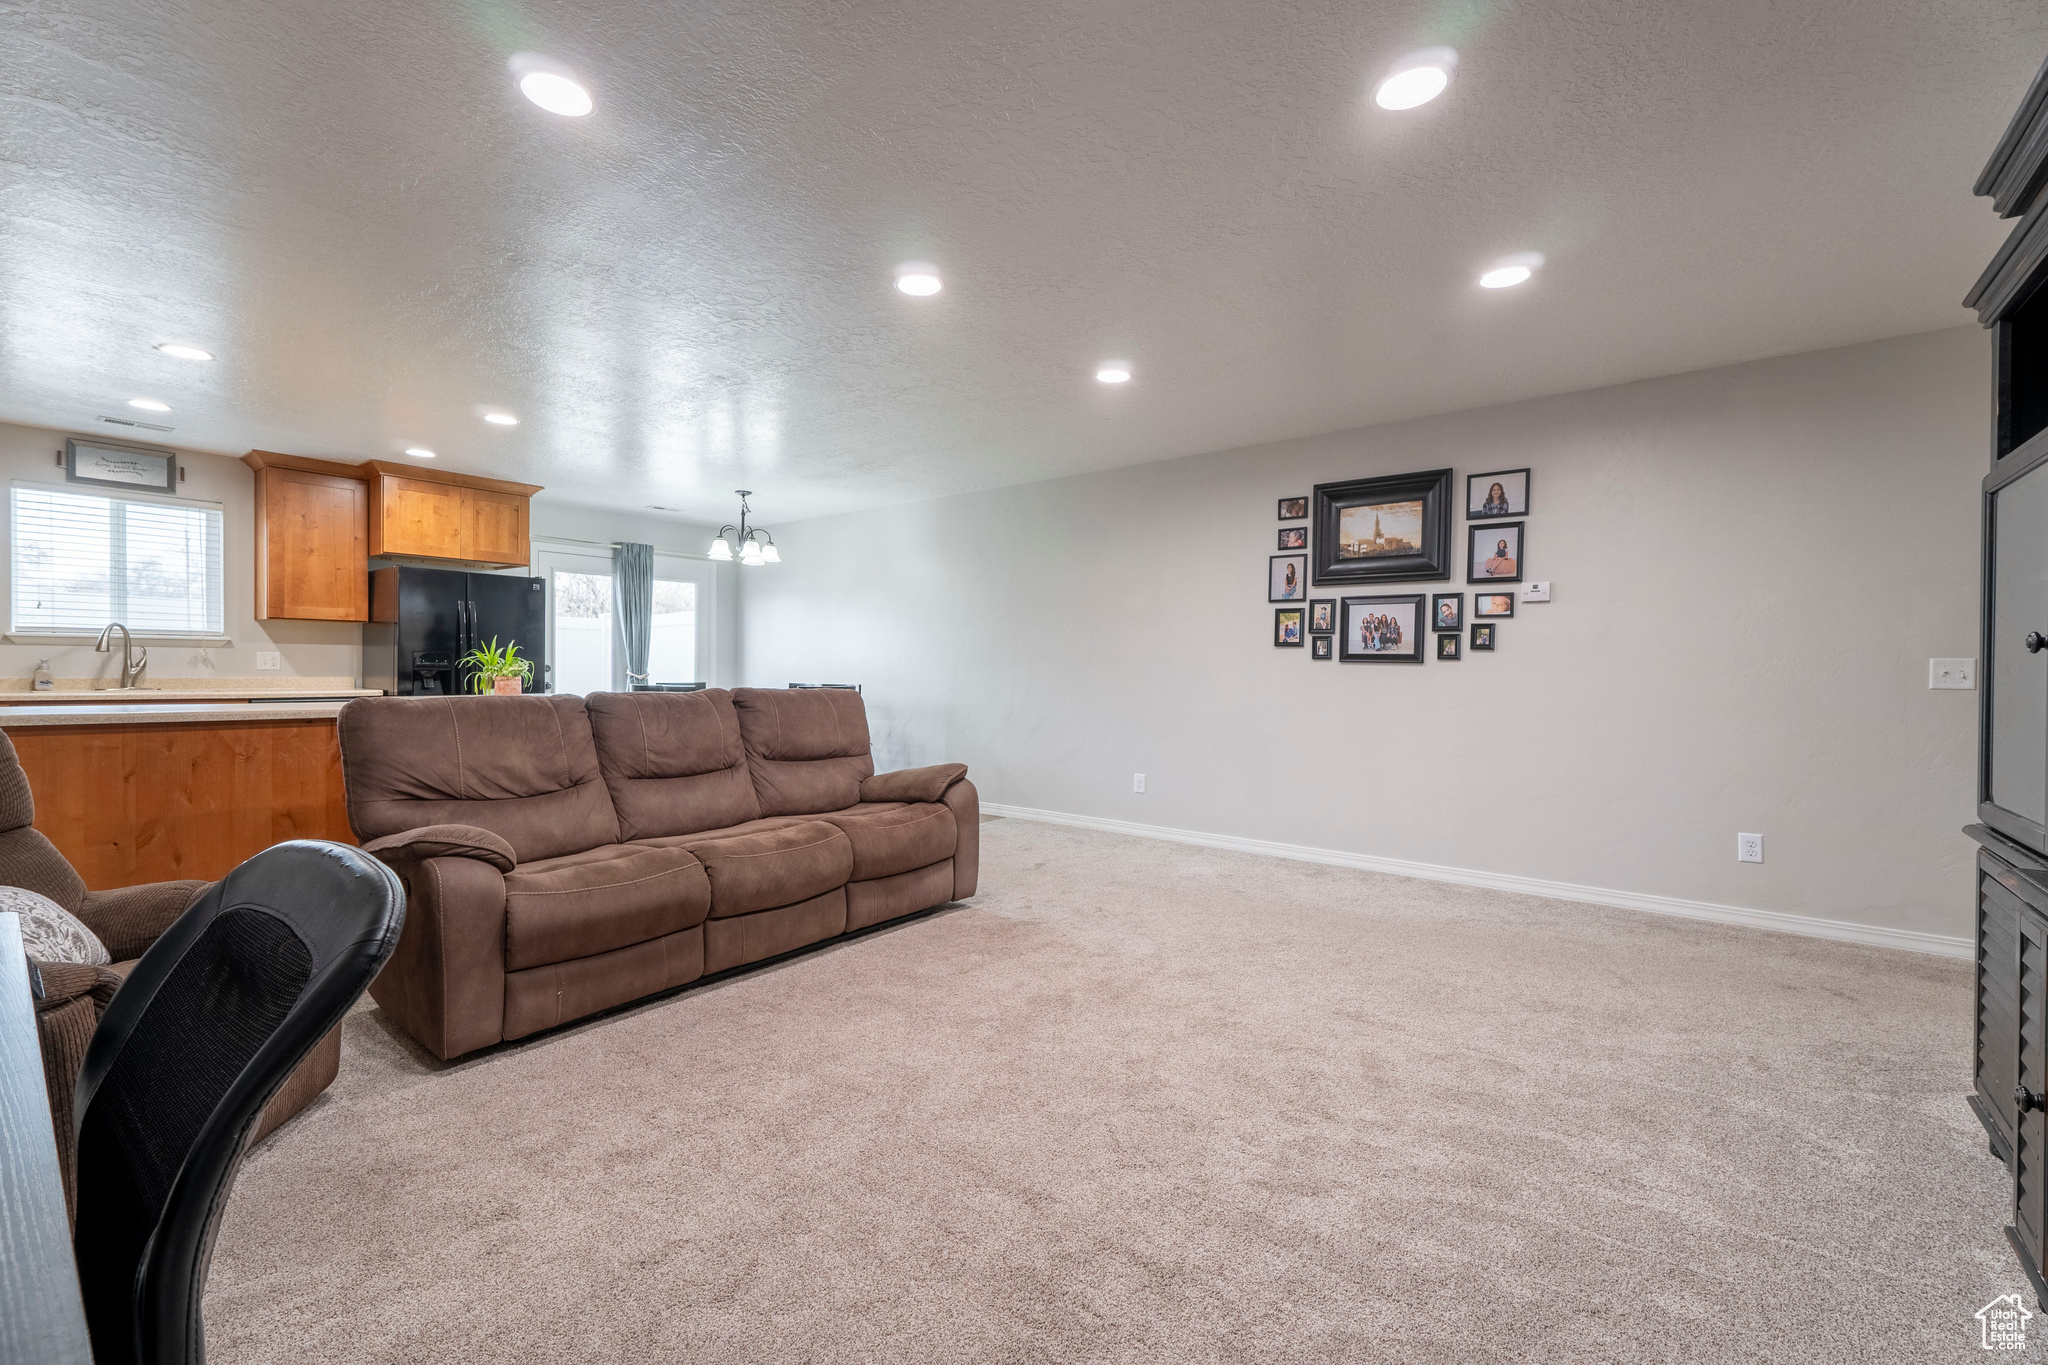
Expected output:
(689, 290)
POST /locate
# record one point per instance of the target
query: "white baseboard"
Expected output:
(1941, 945)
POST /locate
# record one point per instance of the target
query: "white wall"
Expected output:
(1752, 566)
(310, 649)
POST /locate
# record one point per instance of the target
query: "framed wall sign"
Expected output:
(1381, 529)
(112, 466)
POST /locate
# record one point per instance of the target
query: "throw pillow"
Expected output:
(50, 932)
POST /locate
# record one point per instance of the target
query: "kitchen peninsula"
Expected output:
(155, 784)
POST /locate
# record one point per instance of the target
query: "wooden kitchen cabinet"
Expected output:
(319, 522)
(494, 527)
(415, 517)
(312, 546)
(425, 516)
(149, 802)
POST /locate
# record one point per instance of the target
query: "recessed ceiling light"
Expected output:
(182, 351)
(550, 84)
(501, 419)
(1114, 372)
(419, 452)
(1509, 271)
(919, 278)
(149, 405)
(1416, 79)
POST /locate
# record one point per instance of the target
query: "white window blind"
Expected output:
(81, 560)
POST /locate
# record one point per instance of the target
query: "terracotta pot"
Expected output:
(506, 687)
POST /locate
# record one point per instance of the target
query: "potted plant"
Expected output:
(498, 670)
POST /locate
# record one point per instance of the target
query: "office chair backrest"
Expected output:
(210, 1023)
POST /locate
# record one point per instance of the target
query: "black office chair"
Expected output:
(209, 1024)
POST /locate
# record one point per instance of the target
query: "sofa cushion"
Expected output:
(595, 901)
(807, 748)
(896, 839)
(673, 761)
(742, 939)
(524, 768)
(906, 893)
(768, 867)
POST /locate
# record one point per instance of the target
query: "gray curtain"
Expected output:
(633, 606)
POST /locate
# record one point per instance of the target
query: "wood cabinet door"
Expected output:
(312, 547)
(493, 527)
(414, 517)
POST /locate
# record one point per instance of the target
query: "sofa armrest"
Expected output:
(443, 841)
(128, 920)
(912, 784)
(965, 802)
(445, 982)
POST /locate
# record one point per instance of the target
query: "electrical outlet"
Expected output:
(1749, 848)
(1137, 782)
(1538, 591)
(268, 661)
(1959, 675)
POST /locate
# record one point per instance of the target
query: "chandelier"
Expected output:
(756, 545)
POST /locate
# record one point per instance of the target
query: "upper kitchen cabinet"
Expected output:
(318, 522)
(312, 541)
(426, 514)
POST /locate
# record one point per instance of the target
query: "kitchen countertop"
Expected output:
(168, 713)
(66, 696)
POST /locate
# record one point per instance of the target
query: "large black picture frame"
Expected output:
(1432, 487)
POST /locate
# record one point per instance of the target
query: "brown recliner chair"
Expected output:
(127, 920)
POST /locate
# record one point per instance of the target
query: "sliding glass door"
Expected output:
(582, 645)
(579, 619)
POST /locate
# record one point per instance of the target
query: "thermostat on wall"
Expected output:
(1536, 592)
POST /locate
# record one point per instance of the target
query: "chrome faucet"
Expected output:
(133, 660)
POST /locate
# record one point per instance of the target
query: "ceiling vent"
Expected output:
(139, 426)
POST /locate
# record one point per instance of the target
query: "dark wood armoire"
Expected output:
(2011, 1053)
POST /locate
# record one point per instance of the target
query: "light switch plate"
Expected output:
(268, 661)
(1536, 592)
(1958, 675)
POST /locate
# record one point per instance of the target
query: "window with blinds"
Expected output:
(81, 560)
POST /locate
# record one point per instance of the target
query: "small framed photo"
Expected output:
(1286, 578)
(1447, 612)
(1294, 537)
(1447, 646)
(1494, 554)
(1503, 493)
(1482, 635)
(1319, 645)
(1294, 509)
(1287, 623)
(1322, 616)
(1486, 605)
(1382, 629)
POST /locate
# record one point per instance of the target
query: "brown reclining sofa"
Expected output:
(562, 855)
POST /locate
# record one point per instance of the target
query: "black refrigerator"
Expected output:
(422, 621)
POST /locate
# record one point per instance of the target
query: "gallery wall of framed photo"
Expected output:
(1391, 529)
